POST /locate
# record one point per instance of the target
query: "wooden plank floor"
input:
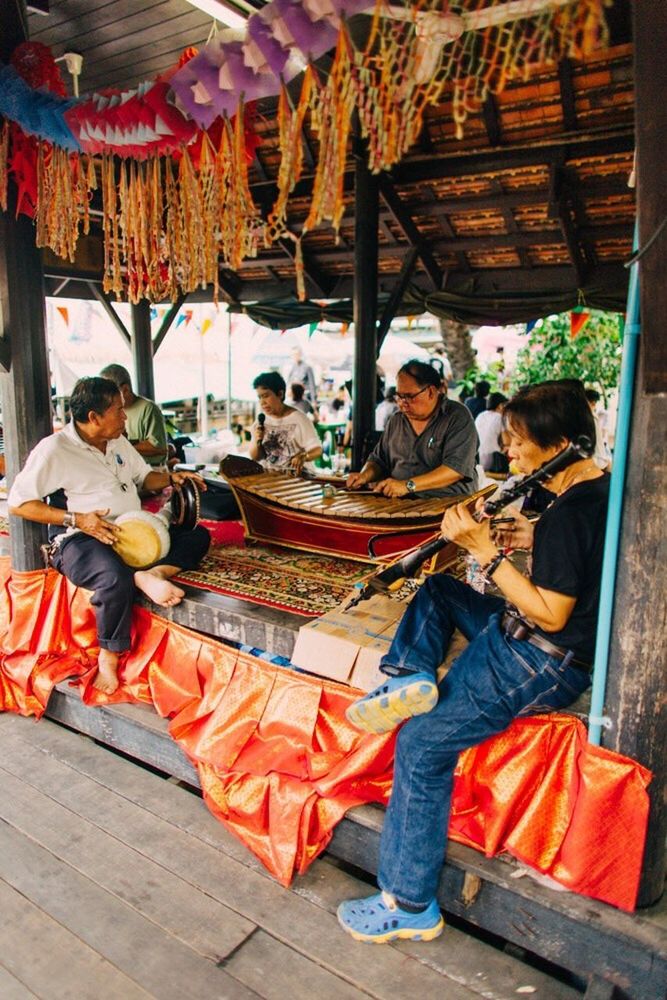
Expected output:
(116, 882)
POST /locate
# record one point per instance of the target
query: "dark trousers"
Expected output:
(95, 566)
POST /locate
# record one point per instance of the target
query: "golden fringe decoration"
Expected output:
(241, 226)
(167, 230)
(62, 200)
(332, 105)
(171, 231)
(4, 151)
(290, 138)
(173, 237)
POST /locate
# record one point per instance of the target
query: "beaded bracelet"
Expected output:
(490, 569)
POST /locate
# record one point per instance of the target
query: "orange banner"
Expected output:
(279, 764)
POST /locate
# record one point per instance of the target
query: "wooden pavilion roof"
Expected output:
(534, 196)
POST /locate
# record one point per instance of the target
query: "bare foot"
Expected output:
(106, 679)
(157, 589)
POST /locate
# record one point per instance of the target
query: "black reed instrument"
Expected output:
(409, 565)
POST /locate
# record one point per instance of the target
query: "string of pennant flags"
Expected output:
(171, 157)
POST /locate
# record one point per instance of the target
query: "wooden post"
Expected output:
(142, 349)
(637, 687)
(366, 217)
(26, 385)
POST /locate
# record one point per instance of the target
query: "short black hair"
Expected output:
(495, 400)
(422, 372)
(297, 390)
(592, 395)
(95, 393)
(272, 381)
(550, 412)
(482, 389)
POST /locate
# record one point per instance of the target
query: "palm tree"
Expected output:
(458, 346)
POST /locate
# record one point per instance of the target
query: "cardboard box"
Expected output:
(347, 646)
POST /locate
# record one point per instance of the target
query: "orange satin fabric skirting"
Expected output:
(279, 764)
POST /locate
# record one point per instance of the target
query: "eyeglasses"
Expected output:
(407, 397)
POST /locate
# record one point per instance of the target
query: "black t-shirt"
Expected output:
(567, 557)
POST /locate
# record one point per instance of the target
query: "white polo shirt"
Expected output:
(91, 480)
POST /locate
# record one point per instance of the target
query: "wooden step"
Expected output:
(576, 933)
(231, 619)
(109, 860)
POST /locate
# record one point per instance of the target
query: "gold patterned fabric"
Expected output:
(302, 582)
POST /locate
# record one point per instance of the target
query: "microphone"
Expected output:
(261, 417)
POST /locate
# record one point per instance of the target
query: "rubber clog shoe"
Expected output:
(391, 703)
(379, 919)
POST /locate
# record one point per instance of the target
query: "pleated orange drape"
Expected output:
(279, 765)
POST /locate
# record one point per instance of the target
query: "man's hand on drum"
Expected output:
(180, 477)
(391, 488)
(94, 524)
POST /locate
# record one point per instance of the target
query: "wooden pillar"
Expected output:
(142, 349)
(637, 688)
(366, 218)
(26, 385)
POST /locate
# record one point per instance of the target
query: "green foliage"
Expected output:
(594, 355)
(494, 375)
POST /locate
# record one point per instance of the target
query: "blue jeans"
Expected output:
(494, 680)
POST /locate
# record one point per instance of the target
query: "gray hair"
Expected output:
(117, 374)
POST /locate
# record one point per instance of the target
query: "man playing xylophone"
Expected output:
(428, 447)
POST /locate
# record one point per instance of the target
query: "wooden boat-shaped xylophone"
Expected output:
(288, 510)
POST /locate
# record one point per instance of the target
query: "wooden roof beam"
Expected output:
(105, 302)
(474, 244)
(412, 170)
(321, 282)
(562, 205)
(491, 281)
(396, 296)
(446, 227)
(567, 99)
(492, 120)
(403, 219)
(510, 222)
(516, 199)
(424, 168)
(168, 319)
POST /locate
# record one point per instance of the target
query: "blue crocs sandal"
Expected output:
(378, 919)
(398, 699)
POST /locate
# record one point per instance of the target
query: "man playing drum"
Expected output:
(100, 473)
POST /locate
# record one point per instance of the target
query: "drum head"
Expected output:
(185, 505)
(143, 539)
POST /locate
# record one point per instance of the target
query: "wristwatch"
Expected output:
(411, 486)
(69, 520)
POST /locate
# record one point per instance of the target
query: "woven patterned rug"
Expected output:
(304, 583)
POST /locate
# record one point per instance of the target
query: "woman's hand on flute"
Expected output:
(459, 525)
(515, 534)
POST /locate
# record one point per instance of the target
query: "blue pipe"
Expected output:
(612, 538)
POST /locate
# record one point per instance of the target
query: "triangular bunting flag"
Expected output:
(578, 321)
